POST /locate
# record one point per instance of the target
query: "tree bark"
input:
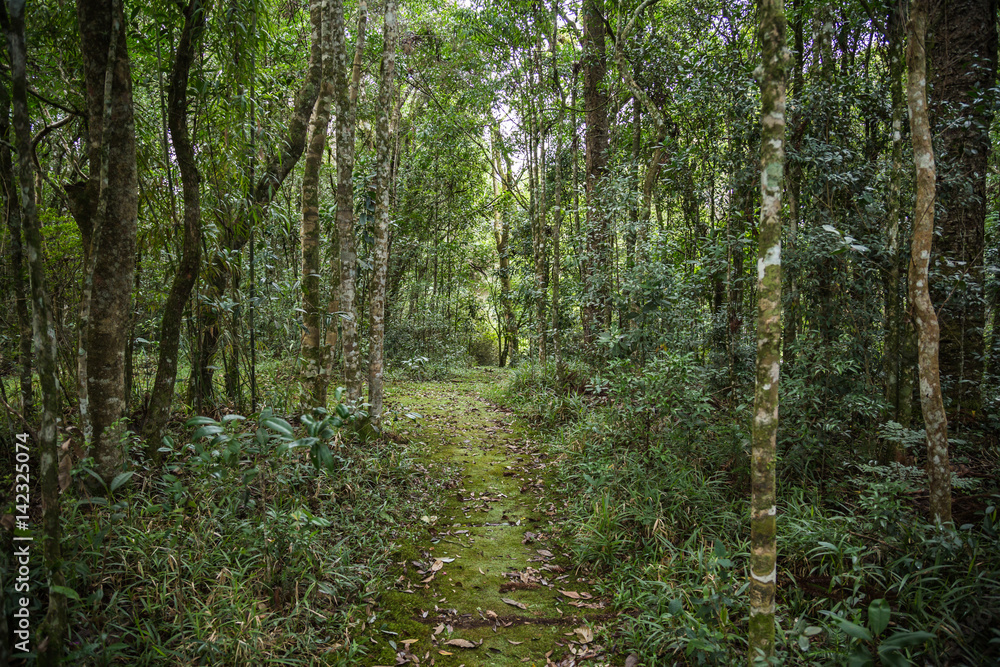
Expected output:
(12, 214)
(107, 215)
(190, 260)
(380, 250)
(595, 312)
(346, 110)
(763, 570)
(52, 633)
(931, 400)
(314, 371)
(963, 68)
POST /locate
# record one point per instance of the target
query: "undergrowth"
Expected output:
(658, 464)
(248, 543)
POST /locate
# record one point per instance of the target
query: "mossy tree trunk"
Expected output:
(52, 633)
(928, 332)
(763, 570)
(105, 208)
(190, 260)
(314, 369)
(380, 263)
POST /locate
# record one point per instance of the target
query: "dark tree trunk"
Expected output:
(190, 260)
(107, 223)
(596, 308)
(963, 67)
(12, 214)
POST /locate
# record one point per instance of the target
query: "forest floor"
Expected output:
(488, 580)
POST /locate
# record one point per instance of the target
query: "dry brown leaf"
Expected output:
(570, 594)
(461, 643)
(438, 629)
(514, 642)
(446, 653)
(407, 642)
(544, 552)
(514, 603)
(586, 634)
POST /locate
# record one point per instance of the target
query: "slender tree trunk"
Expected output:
(380, 263)
(596, 305)
(12, 214)
(501, 235)
(963, 67)
(763, 570)
(190, 261)
(313, 374)
(346, 110)
(931, 401)
(52, 633)
(106, 211)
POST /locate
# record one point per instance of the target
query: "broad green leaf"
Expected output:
(199, 421)
(207, 430)
(854, 630)
(904, 639)
(279, 425)
(68, 592)
(878, 616)
(121, 479)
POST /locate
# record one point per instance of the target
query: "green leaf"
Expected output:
(207, 430)
(279, 425)
(812, 631)
(121, 479)
(878, 616)
(229, 418)
(854, 630)
(199, 421)
(68, 592)
(900, 640)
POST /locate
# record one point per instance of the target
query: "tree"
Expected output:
(190, 260)
(763, 570)
(380, 251)
(52, 633)
(963, 68)
(105, 208)
(346, 110)
(928, 332)
(314, 371)
(595, 311)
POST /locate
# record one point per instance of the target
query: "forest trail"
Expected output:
(487, 581)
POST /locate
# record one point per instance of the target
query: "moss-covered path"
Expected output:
(486, 581)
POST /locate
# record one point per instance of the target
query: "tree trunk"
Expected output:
(501, 235)
(12, 214)
(53, 630)
(106, 211)
(313, 374)
(931, 401)
(380, 251)
(763, 581)
(346, 110)
(596, 308)
(963, 67)
(190, 261)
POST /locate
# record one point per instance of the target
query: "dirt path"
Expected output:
(488, 583)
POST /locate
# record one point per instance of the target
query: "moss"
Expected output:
(479, 459)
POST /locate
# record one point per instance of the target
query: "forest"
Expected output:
(500, 332)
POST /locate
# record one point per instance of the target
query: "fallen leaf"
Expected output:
(514, 642)
(570, 594)
(514, 603)
(586, 634)
(438, 629)
(632, 660)
(409, 641)
(461, 643)
(446, 653)
(545, 553)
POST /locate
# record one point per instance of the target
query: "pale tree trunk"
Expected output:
(346, 110)
(380, 262)
(539, 246)
(190, 261)
(52, 632)
(313, 373)
(763, 571)
(928, 333)
(106, 210)
(12, 214)
(501, 234)
(595, 309)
